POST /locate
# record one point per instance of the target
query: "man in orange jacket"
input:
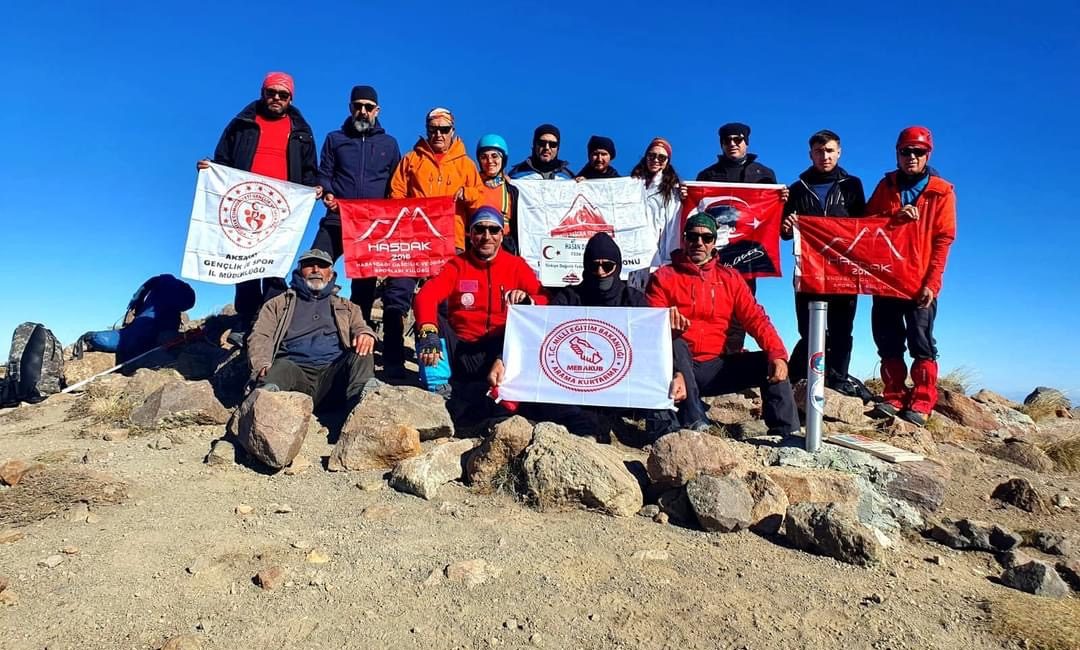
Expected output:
(914, 192)
(437, 166)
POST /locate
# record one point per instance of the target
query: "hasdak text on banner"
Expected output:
(871, 255)
(400, 238)
(588, 356)
(747, 223)
(557, 218)
(244, 226)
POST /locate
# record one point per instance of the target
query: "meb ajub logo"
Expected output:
(586, 355)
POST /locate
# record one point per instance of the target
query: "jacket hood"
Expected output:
(298, 122)
(300, 287)
(456, 150)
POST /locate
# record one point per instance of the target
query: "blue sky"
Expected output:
(108, 105)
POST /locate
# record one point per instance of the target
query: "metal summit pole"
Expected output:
(815, 375)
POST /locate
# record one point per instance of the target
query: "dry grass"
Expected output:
(958, 380)
(49, 491)
(1046, 405)
(1038, 622)
(103, 402)
(874, 385)
(1065, 453)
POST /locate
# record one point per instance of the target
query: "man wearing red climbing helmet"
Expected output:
(915, 192)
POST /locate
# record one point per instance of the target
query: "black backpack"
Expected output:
(35, 366)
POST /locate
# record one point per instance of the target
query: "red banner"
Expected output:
(857, 256)
(747, 223)
(398, 238)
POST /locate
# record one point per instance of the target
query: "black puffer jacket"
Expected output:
(747, 170)
(238, 143)
(845, 198)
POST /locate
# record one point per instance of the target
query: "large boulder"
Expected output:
(180, 404)
(271, 425)
(406, 405)
(1046, 393)
(965, 411)
(1022, 494)
(1037, 578)
(974, 535)
(721, 503)
(922, 484)
(838, 407)
(678, 457)
(91, 363)
(423, 475)
(735, 408)
(146, 381)
(507, 442)
(832, 529)
(559, 468)
(1022, 453)
(814, 485)
(770, 503)
(988, 398)
(365, 446)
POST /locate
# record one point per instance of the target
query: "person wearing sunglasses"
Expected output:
(826, 189)
(601, 151)
(438, 165)
(269, 136)
(736, 165)
(544, 162)
(917, 195)
(491, 157)
(703, 296)
(356, 162)
(477, 286)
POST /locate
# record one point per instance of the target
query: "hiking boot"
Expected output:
(914, 417)
(884, 410)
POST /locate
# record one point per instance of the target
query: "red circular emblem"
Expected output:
(250, 212)
(585, 355)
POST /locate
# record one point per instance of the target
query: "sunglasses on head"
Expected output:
(658, 157)
(704, 237)
(547, 144)
(364, 106)
(734, 139)
(271, 93)
(491, 230)
(445, 130)
(912, 151)
(607, 266)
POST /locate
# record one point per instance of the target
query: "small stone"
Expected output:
(1037, 578)
(70, 550)
(9, 597)
(270, 578)
(243, 510)
(1062, 501)
(721, 503)
(662, 518)
(302, 544)
(510, 624)
(936, 559)
(651, 555)
(115, 435)
(298, 465)
(51, 562)
(280, 508)
(1020, 493)
(371, 484)
(649, 511)
(13, 470)
(377, 512)
(10, 536)
(1051, 542)
(1069, 570)
(93, 518)
(317, 556)
(833, 530)
(423, 475)
(77, 513)
(4, 582)
(875, 599)
(536, 639)
(223, 453)
(199, 565)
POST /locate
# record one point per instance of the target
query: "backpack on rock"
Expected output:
(35, 366)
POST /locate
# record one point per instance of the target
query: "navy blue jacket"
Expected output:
(357, 165)
(747, 170)
(238, 143)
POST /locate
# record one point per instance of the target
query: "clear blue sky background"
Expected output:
(108, 105)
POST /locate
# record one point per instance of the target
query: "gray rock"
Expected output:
(649, 511)
(990, 398)
(676, 506)
(838, 407)
(1013, 558)
(145, 382)
(559, 468)
(409, 406)
(747, 430)
(506, 443)
(271, 426)
(1069, 570)
(922, 484)
(679, 457)
(1051, 542)
(180, 404)
(1037, 578)
(831, 529)
(1022, 453)
(770, 503)
(720, 503)
(832, 457)
(1053, 393)
(974, 535)
(1013, 422)
(222, 452)
(1020, 493)
(423, 475)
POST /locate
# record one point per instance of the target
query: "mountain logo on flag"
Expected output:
(250, 212)
(416, 212)
(582, 220)
(878, 234)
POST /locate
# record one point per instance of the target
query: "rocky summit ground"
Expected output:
(116, 535)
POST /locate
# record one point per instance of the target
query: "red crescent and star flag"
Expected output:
(747, 223)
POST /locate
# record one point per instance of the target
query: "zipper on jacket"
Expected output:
(363, 154)
(488, 327)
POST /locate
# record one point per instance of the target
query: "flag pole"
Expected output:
(183, 338)
(815, 375)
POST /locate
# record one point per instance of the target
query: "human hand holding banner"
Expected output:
(400, 238)
(747, 223)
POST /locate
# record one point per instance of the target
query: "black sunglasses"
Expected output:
(705, 237)
(271, 93)
(445, 130)
(547, 144)
(911, 151)
(734, 139)
(491, 230)
(658, 157)
(362, 106)
(607, 266)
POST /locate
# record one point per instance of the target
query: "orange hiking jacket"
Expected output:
(420, 175)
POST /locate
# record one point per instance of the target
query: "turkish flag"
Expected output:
(747, 223)
(397, 238)
(842, 255)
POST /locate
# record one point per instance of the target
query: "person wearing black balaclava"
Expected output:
(601, 285)
(601, 151)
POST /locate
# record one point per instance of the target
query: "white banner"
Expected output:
(560, 209)
(588, 356)
(244, 226)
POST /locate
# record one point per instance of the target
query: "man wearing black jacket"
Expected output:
(268, 137)
(825, 189)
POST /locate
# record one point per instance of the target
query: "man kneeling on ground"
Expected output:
(310, 340)
(704, 296)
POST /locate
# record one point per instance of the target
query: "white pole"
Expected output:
(815, 375)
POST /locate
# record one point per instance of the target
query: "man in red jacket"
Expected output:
(477, 287)
(914, 192)
(704, 296)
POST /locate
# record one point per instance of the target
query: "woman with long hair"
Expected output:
(663, 200)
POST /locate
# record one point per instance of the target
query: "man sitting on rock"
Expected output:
(704, 296)
(310, 340)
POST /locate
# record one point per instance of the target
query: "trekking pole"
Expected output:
(815, 375)
(183, 338)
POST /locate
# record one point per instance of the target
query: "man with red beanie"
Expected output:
(914, 192)
(268, 137)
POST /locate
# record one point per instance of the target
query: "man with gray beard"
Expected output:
(311, 341)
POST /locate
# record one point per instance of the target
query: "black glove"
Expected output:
(428, 343)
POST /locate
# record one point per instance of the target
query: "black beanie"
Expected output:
(548, 129)
(735, 128)
(601, 142)
(602, 247)
(364, 93)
